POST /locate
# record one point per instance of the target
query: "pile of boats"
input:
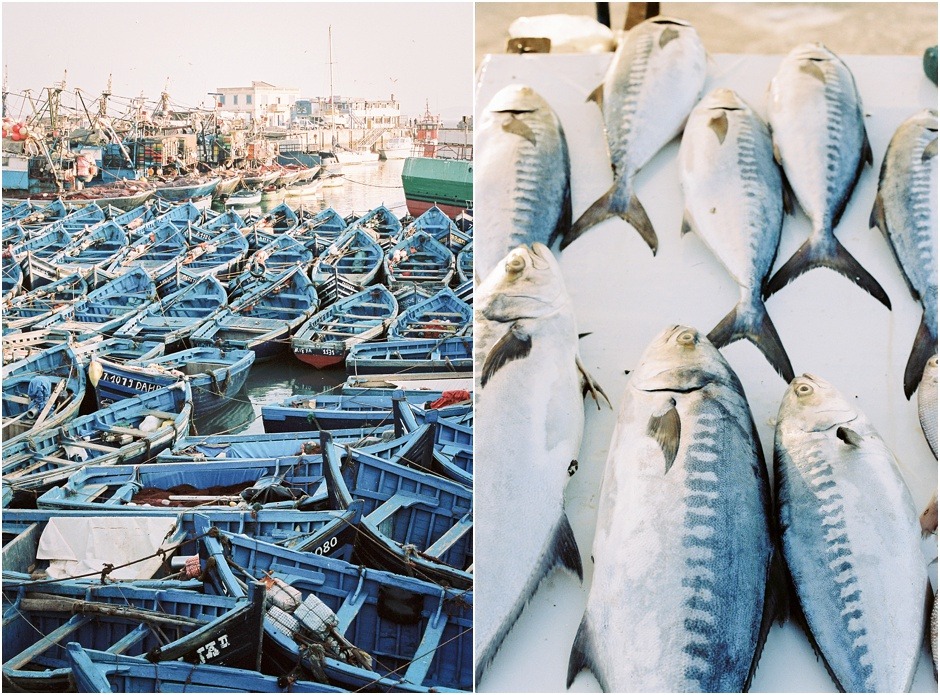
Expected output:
(333, 552)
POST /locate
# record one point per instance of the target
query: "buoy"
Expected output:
(95, 371)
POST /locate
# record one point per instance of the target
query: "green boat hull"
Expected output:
(447, 183)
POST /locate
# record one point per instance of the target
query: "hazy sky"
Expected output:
(417, 51)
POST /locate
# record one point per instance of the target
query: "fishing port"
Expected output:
(237, 383)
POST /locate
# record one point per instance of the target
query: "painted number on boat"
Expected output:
(326, 547)
(211, 650)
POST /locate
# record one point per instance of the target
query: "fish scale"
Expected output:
(639, 65)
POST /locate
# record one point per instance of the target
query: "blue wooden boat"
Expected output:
(327, 226)
(151, 251)
(24, 311)
(410, 294)
(44, 244)
(106, 672)
(220, 256)
(464, 291)
(383, 225)
(420, 634)
(347, 265)
(186, 188)
(419, 259)
(215, 376)
(263, 318)
(281, 219)
(269, 262)
(433, 221)
(219, 222)
(179, 216)
(12, 278)
(34, 215)
(40, 393)
(105, 309)
(243, 198)
(175, 318)
(85, 253)
(162, 625)
(414, 523)
(453, 441)
(465, 263)
(130, 431)
(412, 356)
(19, 346)
(12, 234)
(133, 219)
(440, 316)
(322, 411)
(327, 337)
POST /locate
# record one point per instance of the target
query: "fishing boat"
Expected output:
(465, 263)
(187, 188)
(453, 441)
(228, 181)
(244, 198)
(327, 225)
(105, 309)
(301, 189)
(126, 195)
(19, 346)
(464, 291)
(347, 265)
(445, 183)
(418, 356)
(263, 318)
(40, 393)
(419, 259)
(419, 633)
(153, 250)
(269, 262)
(180, 216)
(441, 316)
(215, 376)
(348, 157)
(440, 226)
(327, 337)
(43, 245)
(83, 254)
(410, 294)
(163, 625)
(396, 148)
(130, 431)
(414, 522)
(260, 177)
(24, 311)
(281, 219)
(382, 224)
(106, 672)
(12, 279)
(219, 222)
(175, 318)
(220, 256)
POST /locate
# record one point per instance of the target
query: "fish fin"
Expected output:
(584, 335)
(849, 436)
(515, 345)
(589, 384)
(777, 157)
(877, 216)
(814, 255)
(563, 226)
(597, 96)
(581, 654)
(666, 430)
(775, 608)
(813, 70)
(719, 125)
(751, 321)
(668, 35)
(867, 156)
(925, 347)
(686, 223)
(517, 126)
(611, 204)
(565, 548)
(788, 196)
(929, 151)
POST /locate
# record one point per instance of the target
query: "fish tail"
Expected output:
(749, 320)
(925, 347)
(581, 654)
(615, 204)
(825, 252)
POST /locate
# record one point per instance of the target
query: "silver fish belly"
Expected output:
(734, 202)
(906, 212)
(927, 403)
(851, 540)
(529, 421)
(522, 174)
(682, 549)
(655, 78)
(815, 113)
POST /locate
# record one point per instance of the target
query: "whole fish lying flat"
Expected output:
(656, 77)
(683, 546)
(851, 539)
(815, 113)
(906, 212)
(529, 421)
(927, 403)
(734, 200)
(522, 175)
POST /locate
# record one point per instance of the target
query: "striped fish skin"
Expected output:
(682, 552)
(734, 201)
(815, 113)
(851, 539)
(927, 403)
(655, 78)
(522, 175)
(529, 419)
(906, 212)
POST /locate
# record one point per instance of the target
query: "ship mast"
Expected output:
(332, 103)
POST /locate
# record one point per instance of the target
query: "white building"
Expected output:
(262, 101)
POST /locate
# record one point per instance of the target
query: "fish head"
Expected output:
(929, 379)
(812, 404)
(516, 99)
(926, 119)
(815, 51)
(527, 283)
(724, 99)
(680, 359)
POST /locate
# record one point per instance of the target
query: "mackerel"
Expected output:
(905, 211)
(683, 553)
(522, 174)
(529, 420)
(734, 200)
(655, 78)
(851, 539)
(927, 403)
(815, 113)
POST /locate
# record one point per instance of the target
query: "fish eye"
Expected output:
(804, 389)
(515, 265)
(932, 362)
(686, 338)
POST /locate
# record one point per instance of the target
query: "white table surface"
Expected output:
(624, 296)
